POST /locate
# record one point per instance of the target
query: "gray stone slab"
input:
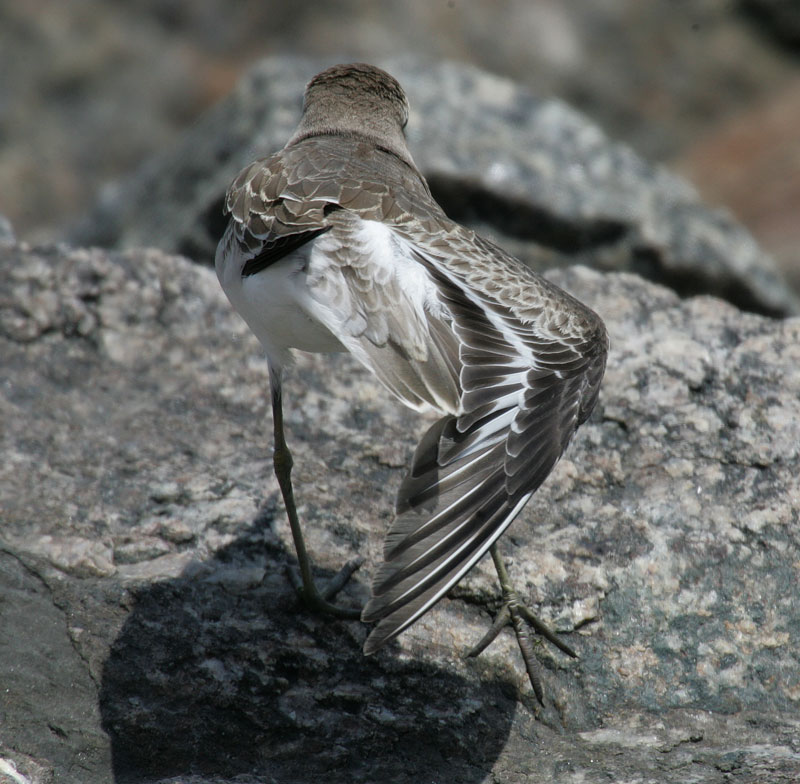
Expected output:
(153, 635)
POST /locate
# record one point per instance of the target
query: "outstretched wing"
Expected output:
(526, 387)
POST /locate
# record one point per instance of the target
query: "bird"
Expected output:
(335, 244)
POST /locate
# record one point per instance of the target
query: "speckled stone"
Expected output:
(134, 410)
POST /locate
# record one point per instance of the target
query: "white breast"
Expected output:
(276, 304)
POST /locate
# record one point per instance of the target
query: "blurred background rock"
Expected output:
(91, 88)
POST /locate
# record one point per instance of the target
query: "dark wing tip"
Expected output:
(382, 634)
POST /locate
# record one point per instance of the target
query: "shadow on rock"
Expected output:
(211, 677)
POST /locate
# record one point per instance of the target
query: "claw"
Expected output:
(319, 600)
(516, 614)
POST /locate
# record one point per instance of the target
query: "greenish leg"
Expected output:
(304, 585)
(514, 612)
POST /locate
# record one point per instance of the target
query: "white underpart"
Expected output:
(276, 303)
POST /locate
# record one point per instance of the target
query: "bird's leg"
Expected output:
(514, 612)
(282, 463)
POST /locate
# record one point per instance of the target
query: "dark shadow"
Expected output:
(212, 676)
(777, 22)
(467, 201)
(201, 245)
(649, 263)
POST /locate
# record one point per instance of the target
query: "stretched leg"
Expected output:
(282, 462)
(519, 616)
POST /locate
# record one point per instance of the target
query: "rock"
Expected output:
(48, 705)
(780, 19)
(737, 162)
(6, 231)
(134, 412)
(75, 555)
(534, 174)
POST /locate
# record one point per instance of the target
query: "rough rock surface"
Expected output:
(534, 174)
(149, 633)
(6, 231)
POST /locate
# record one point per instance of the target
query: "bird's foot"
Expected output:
(320, 601)
(522, 619)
